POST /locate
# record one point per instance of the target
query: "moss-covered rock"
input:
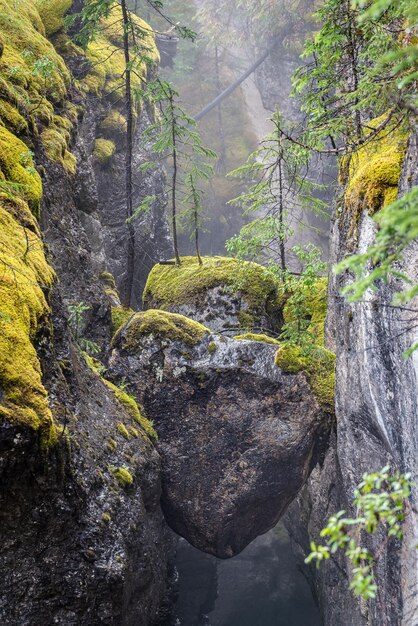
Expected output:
(245, 292)
(52, 13)
(120, 316)
(103, 151)
(318, 365)
(24, 278)
(371, 175)
(17, 167)
(161, 325)
(107, 57)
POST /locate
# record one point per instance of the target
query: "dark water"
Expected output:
(262, 586)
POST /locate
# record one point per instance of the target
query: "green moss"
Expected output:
(111, 445)
(120, 316)
(16, 165)
(123, 475)
(372, 174)
(108, 279)
(55, 144)
(24, 277)
(12, 119)
(133, 431)
(122, 430)
(107, 57)
(52, 13)
(170, 285)
(103, 151)
(163, 325)
(212, 347)
(114, 123)
(318, 365)
(255, 337)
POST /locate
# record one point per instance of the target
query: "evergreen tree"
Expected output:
(178, 140)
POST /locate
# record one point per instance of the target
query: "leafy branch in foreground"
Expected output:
(381, 501)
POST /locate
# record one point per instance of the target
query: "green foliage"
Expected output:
(381, 502)
(176, 137)
(76, 322)
(278, 189)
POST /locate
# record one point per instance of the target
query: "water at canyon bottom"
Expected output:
(262, 586)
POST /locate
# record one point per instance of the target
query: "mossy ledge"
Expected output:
(170, 285)
(254, 337)
(318, 365)
(161, 325)
(126, 400)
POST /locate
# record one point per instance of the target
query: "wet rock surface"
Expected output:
(237, 437)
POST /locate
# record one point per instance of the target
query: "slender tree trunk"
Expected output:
(222, 154)
(130, 261)
(353, 61)
(196, 227)
(174, 182)
(281, 219)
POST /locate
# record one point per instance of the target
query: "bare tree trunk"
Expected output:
(221, 165)
(130, 261)
(281, 218)
(174, 182)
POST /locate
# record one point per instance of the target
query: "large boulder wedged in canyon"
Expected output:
(237, 435)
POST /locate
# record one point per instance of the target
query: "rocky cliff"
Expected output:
(376, 396)
(84, 539)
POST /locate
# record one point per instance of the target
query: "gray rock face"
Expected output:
(226, 312)
(377, 417)
(237, 437)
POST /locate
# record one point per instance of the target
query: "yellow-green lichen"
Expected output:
(106, 518)
(162, 325)
(52, 13)
(103, 151)
(123, 476)
(172, 285)
(318, 365)
(255, 337)
(25, 276)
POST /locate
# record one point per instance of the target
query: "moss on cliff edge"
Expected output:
(318, 365)
(371, 175)
(24, 277)
(162, 325)
(171, 285)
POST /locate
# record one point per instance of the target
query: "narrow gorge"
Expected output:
(162, 418)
